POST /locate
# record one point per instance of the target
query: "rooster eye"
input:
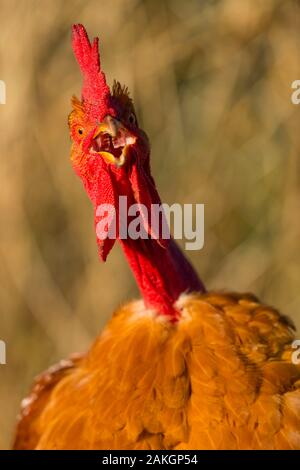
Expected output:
(80, 131)
(132, 119)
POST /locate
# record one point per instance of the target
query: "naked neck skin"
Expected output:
(162, 273)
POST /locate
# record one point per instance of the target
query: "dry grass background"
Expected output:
(211, 82)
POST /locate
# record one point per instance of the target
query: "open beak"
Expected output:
(112, 141)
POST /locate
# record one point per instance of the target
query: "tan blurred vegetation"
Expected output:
(212, 83)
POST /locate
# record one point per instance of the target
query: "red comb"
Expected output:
(95, 91)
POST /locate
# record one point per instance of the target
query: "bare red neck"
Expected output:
(162, 274)
(161, 270)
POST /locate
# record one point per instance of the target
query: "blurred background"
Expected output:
(211, 81)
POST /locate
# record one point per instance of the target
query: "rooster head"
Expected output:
(109, 150)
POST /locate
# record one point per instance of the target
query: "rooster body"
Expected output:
(180, 369)
(220, 378)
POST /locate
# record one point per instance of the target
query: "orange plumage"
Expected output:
(190, 371)
(220, 378)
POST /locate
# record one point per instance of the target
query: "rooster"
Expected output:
(182, 368)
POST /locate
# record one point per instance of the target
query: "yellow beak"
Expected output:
(113, 127)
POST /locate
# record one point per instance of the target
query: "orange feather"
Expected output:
(219, 378)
